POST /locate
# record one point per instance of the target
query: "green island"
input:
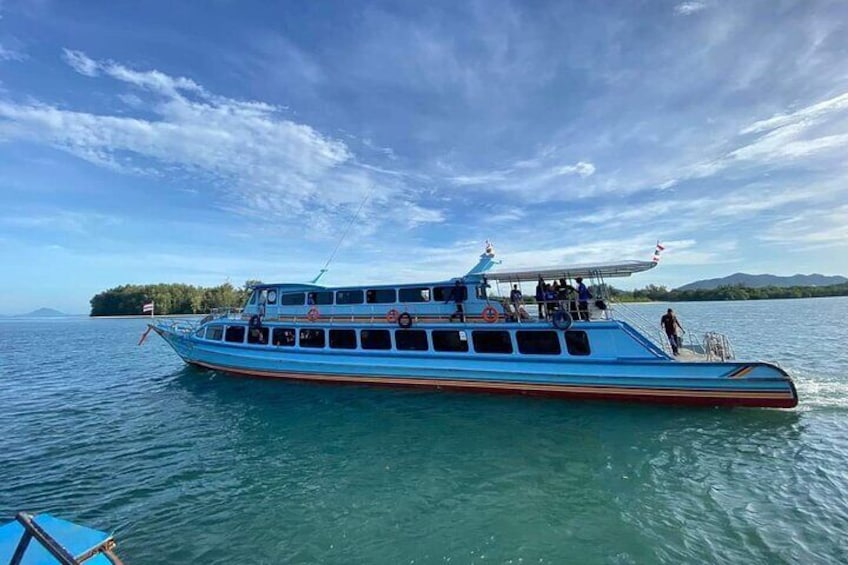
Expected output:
(127, 300)
(169, 299)
(653, 293)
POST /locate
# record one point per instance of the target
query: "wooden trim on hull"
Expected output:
(626, 394)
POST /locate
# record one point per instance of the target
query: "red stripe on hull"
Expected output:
(654, 396)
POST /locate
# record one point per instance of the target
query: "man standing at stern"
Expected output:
(671, 324)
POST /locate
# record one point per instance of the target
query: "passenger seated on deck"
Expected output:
(510, 312)
(256, 336)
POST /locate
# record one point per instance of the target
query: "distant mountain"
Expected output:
(759, 281)
(42, 313)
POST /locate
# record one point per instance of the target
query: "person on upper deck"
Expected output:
(583, 297)
(566, 296)
(458, 295)
(550, 299)
(670, 324)
(515, 295)
(540, 297)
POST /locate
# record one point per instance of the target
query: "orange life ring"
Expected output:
(490, 314)
(392, 316)
(313, 314)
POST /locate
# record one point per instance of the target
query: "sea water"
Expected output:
(191, 466)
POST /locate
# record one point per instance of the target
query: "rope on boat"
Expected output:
(144, 335)
(344, 235)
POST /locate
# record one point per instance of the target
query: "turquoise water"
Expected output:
(188, 466)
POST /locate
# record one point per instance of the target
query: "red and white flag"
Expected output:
(147, 308)
(657, 251)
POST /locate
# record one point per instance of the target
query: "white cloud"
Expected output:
(811, 228)
(535, 175)
(688, 8)
(9, 54)
(581, 168)
(260, 163)
(80, 62)
(804, 115)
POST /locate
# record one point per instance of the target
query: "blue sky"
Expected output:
(204, 141)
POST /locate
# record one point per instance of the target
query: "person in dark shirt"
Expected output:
(550, 300)
(583, 297)
(458, 295)
(670, 324)
(515, 296)
(540, 298)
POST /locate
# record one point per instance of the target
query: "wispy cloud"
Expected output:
(688, 8)
(263, 163)
(811, 229)
(9, 54)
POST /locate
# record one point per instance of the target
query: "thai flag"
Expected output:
(147, 308)
(656, 258)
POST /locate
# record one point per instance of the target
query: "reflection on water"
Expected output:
(196, 466)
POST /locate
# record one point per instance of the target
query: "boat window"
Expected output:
(376, 339)
(320, 298)
(258, 336)
(253, 297)
(263, 296)
(450, 340)
(283, 337)
(411, 340)
(312, 338)
(343, 339)
(445, 293)
(234, 334)
(491, 341)
(482, 291)
(272, 296)
(538, 343)
(380, 296)
(577, 342)
(214, 332)
(420, 294)
(292, 299)
(348, 297)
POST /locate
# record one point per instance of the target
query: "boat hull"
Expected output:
(668, 395)
(651, 380)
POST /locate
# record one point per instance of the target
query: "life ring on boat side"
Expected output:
(562, 320)
(255, 322)
(490, 314)
(404, 320)
(313, 314)
(392, 316)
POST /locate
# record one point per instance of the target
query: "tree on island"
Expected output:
(127, 300)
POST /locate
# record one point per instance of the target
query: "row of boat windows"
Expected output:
(531, 342)
(358, 296)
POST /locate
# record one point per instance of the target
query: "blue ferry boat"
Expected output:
(460, 334)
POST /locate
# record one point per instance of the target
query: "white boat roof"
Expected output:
(585, 270)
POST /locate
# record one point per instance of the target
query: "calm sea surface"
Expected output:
(188, 466)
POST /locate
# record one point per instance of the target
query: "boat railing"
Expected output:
(641, 322)
(717, 347)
